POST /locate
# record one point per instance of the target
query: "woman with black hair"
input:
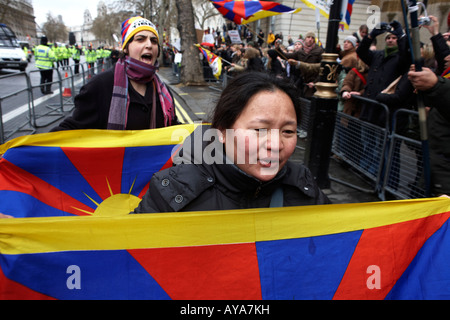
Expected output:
(254, 126)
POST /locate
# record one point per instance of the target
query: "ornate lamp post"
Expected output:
(324, 105)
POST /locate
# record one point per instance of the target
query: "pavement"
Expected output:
(197, 102)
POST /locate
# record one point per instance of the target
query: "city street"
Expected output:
(21, 117)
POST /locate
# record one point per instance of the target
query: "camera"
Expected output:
(384, 26)
(424, 21)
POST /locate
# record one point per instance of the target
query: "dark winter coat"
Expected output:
(382, 71)
(438, 123)
(93, 102)
(200, 187)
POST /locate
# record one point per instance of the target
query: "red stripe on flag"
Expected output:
(13, 178)
(390, 248)
(225, 272)
(100, 167)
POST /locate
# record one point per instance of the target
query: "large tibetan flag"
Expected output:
(214, 61)
(385, 250)
(83, 172)
(245, 11)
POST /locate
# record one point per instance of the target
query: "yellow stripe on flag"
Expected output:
(37, 235)
(101, 138)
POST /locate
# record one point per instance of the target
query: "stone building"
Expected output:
(19, 16)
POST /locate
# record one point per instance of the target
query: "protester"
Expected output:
(362, 32)
(435, 91)
(45, 57)
(131, 95)
(270, 39)
(274, 66)
(252, 61)
(348, 56)
(306, 51)
(262, 111)
(353, 85)
(385, 66)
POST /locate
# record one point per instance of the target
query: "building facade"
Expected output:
(19, 16)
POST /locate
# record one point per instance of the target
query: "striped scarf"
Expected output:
(143, 73)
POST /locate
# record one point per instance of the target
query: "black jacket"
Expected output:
(93, 102)
(199, 187)
(382, 72)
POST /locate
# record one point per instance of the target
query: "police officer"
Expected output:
(91, 57)
(76, 53)
(44, 62)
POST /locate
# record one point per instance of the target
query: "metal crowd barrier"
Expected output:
(66, 84)
(387, 160)
(4, 99)
(404, 169)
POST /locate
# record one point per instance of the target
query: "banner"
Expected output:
(385, 250)
(83, 172)
(324, 6)
(246, 11)
(73, 237)
(214, 61)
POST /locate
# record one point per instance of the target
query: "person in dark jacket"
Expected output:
(129, 96)
(255, 123)
(385, 66)
(435, 90)
(274, 66)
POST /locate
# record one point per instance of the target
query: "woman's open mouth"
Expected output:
(147, 58)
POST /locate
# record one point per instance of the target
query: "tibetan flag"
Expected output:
(384, 250)
(245, 11)
(347, 9)
(214, 61)
(83, 172)
(446, 73)
(324, 7)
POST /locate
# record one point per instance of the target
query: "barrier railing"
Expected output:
(387, 159)
(67, 84)
(404, 169)
(22, 76)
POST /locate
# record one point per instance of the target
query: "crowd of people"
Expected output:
(378, 71)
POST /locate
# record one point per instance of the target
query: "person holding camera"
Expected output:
(385, 66)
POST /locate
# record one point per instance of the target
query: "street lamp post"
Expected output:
(324, 105)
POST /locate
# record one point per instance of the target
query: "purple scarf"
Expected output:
(143, 73)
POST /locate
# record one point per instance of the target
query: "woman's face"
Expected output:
(144, 47)
(264, 135)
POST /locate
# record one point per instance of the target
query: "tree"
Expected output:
(107, 24)
(55, 29)
(204, 10)
(191, 72)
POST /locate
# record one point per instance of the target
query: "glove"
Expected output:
(397, 28)
(379, 30)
